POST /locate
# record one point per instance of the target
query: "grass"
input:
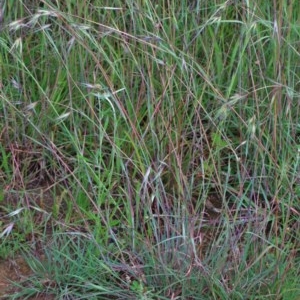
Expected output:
(150, 149)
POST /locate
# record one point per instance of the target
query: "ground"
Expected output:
(15, 270)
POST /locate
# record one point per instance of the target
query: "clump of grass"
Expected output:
(170, 134)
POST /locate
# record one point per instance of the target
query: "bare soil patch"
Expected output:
(16, 270)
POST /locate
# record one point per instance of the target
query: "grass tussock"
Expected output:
(150, 149)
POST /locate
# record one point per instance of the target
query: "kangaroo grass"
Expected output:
(163, 141)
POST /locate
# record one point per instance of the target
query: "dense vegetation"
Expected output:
(150, 149)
